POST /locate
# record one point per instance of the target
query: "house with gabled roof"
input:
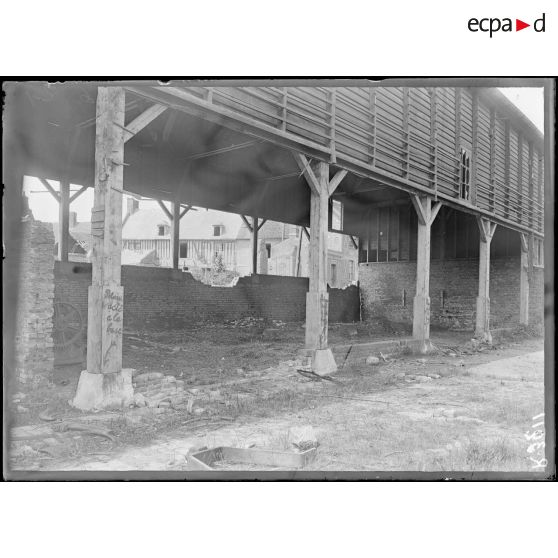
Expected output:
(204, 236)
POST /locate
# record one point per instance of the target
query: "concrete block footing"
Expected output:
(323, 362)
(103, 391)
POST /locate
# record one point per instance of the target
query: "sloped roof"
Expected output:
(195, 225)
(80, 237)
(140, 257)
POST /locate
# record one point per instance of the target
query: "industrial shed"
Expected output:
(415, 174)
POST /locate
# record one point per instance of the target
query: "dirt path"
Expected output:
(473, 417)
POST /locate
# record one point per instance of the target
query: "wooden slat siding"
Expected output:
(458, 114)
(373, 125)
(525, 182)
(492, 160)
(530, 186)
(389, 135)
(433, 138)
(474, 146)
(507, 176)
(332, 124)
(513, 175)
(499, 161)
(466, 118)
(370, 132)
(520, 173)
(540, 189)
(406, 139)
(483, 158)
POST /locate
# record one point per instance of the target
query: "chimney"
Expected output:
(132, 205)
(73, 219)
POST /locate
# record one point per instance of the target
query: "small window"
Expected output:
(465, 174)
(161, 230)
(351, 271)
(336, 215)
(217, 230)
(268, 249)
(333, 274)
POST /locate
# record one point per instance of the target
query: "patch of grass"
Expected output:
(484, 455)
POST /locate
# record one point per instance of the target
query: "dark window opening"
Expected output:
(268, 250)
(465, 174)
(216, 230)
(333, 274)
(183, 249)
(161, 229)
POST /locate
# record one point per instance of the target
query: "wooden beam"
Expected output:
(482, 327)
(78, 193)
(248, 224)
(317, 298)
(306, 170)
(50, 189)
(222, 150)
(419, 203)
(524, 280)
(165, 209)
(421, 303)
(306, 233)
(336, 180)
(486, 229)
(262, 224)
(64, 221)
(105, 307)
(254, 245)
(435, 210)
(175, 230)
(140, 122)
(355, 243)
(181, 99)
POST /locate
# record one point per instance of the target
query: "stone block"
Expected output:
(102, 391)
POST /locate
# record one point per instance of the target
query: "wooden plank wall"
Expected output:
(455, 235)
(414, 133)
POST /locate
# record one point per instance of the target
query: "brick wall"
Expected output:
(387, 290)
(33, 339)
(164, 298)
(536, 296)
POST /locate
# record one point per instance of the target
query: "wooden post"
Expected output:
(254, 245)
(175, 225)
(421, 305)
(317, 297)
(482, 329)
(524, 281)
(64, 220)
(104, 383)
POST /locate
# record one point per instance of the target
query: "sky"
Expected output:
(45, 208)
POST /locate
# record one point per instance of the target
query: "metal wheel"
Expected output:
(68, 324)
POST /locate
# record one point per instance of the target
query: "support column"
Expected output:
(64, 220)
(421, 305)
(524, 281)
(317, 298)
(175, 232)
(482, 329)
(104, 383)
(254, 245)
